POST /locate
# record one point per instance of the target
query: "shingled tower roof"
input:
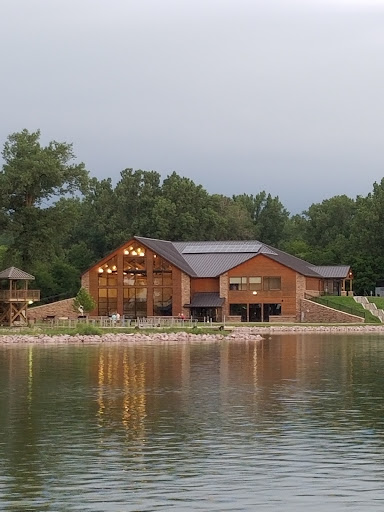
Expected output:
(15, 273)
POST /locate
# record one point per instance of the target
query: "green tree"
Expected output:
(33, 173)
(32, 177)
(83, 300)
(330, 223)
(268, 215)
(136, 195)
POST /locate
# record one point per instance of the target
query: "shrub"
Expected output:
(87, 330)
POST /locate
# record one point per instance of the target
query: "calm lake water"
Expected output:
(295, 422)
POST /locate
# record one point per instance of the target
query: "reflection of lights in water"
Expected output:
(121, 391)
(134, 400)
(126, 412)
(30, 375)
(100, 397)
(255, 365)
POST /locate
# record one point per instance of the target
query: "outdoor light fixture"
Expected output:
(134, 253)
(109, 271)
(126, 251)
(114, 267)
(254, 293)
(101, 270)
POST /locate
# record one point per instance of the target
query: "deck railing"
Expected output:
(19, 295)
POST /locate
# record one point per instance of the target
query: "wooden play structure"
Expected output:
(15, 296)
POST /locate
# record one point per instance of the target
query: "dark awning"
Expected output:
(206, 300)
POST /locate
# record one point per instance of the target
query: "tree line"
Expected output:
(56, 220)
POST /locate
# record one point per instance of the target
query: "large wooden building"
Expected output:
(219, 280)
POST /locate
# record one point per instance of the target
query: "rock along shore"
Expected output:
(238, 333)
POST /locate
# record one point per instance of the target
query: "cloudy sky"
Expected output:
(240, 96)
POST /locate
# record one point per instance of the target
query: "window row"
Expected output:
(255, 283)
(136, 278)
(255, 312)
(135, 302)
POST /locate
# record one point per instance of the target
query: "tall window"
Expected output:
(162, 301)
(108, 273)
(108, 287)
(135, 281)
(162, 287)
(135, 302)
(134, 266)
(107, 301)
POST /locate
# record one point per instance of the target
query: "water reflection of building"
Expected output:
(121, 389)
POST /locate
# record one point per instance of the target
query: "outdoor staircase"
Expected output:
(370, 306)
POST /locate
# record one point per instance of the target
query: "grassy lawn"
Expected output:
(86, 329)
(348, 305)
(379, 301)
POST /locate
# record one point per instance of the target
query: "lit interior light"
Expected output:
(131, 248)
(134, 253)
(114, 267)
(101, 270)
(141, 253)
(126, 251)
(109, 271)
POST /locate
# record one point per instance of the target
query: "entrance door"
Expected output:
(204, 314)
(254, 312)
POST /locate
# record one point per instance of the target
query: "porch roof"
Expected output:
(205, 300)
(332, 271)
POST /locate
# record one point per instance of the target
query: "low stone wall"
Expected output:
(233, 318)
(312, 312)
(61, 308)
(180, 337)
(282, 319)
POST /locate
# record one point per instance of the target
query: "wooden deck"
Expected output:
(19, 295)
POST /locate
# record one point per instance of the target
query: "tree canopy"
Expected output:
(55, 220)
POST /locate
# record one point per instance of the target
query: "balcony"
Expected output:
(19, 295)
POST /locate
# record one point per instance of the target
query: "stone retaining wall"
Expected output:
(61, 308)
(312, 312)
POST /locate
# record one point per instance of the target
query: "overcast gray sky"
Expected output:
(238, 95)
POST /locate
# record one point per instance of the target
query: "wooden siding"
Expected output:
(261, 266)
(313, 284)
(205, 285)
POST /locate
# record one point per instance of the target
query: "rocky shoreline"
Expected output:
(238, 333)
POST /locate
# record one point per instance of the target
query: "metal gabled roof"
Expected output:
(168, 251)
(297, 264)
(213, 258)
(213, 265)
(15, 273)
(332, 271)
